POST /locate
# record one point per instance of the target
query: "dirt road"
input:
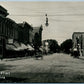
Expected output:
(53, 68)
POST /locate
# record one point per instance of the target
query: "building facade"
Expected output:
(8, 30)
(8, 27)
(30, 35)
(12, 32)
(3, 14)
(24, 32)
(78, 41)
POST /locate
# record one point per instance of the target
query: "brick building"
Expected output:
(3, 14)
(8, 30)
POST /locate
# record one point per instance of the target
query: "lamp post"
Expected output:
(46, 47)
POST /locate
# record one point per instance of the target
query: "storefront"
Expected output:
(78, 42)
(2, 46)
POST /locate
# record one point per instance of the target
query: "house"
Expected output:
(78, 41)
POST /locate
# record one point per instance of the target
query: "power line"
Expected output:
(49, 15)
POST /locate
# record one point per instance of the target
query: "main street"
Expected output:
(56, 67)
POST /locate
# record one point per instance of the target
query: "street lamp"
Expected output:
(46, 47)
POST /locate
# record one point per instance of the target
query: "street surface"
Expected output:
(56, 67)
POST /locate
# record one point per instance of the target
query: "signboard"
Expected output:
(10, 41)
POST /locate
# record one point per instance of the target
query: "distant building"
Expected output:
(78, 41)
(29, 35)
(25, 33)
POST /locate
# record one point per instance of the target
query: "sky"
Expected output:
(64, 17)
(41, 0)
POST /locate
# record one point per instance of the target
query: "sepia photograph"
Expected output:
(41, 41)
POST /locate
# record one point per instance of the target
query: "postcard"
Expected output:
(41, 42)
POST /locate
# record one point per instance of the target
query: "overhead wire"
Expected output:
(48, 15)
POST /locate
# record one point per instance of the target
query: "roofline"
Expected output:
(24, 22)
(78, 33)
(4, 10)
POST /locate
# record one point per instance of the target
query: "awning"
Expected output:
(29, 47)
(16, 46)
(10, 47)
(21, 47)
(41, 49)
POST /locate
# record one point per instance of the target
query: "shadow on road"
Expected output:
(44, 78)
(81, 58)
(5, 67)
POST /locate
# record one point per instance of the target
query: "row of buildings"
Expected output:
(12, 32)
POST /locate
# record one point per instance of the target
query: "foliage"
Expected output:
(66, 46)
(53, 45)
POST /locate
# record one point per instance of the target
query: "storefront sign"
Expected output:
(10, 40)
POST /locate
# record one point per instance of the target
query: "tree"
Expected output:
(37, 42)
(66, 46)
(53, 45)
